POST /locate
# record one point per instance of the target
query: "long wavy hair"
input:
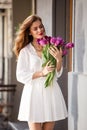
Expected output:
(23, 38)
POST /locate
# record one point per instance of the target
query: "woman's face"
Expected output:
(37, 30)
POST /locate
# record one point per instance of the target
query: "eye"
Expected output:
(41, 26)
(35, 29)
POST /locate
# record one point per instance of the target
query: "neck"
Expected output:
(37, 46)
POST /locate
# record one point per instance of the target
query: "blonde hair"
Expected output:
(23, 38)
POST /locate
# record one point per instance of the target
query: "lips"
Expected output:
(41, 34)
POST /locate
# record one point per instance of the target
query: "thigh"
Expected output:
(48, 125)
(34, 126)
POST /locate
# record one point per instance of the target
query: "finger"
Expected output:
(54, 54)
(51, 66)
(61, 50)
(48, 63)
(55, 48)
(57, 51)
(51, 49)
(50, 69)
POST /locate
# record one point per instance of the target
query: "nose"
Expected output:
(39, 29)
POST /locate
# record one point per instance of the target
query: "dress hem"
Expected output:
(44, 120)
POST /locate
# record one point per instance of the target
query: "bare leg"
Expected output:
(34, 126)
(48, 126)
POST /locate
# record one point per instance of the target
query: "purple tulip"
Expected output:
(38, 40)
(69, 45)
(42, 41)
(60, 39)
(48, 38)
(64, 52)
(53, 40)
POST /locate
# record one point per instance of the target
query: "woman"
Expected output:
(39, 106)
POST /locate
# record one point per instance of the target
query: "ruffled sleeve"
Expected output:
(23, 72)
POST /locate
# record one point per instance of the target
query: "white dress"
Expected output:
(38, 104)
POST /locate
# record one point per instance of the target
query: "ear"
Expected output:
(30, 34)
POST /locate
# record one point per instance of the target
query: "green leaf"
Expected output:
(47, 80)
(46, 56)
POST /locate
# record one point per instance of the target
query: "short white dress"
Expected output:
(38, 104)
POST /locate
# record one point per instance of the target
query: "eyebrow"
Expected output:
(37, 26)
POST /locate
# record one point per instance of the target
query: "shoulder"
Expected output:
(24, 53)
(25, 49)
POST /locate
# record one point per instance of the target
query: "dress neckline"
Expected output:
(33, 49)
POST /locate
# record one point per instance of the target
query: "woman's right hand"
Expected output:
(47, 69)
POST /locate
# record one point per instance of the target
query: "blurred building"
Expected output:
(66, 18)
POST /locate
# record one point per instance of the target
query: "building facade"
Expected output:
(66, 18)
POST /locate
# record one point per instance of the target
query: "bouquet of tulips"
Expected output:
(46, 42)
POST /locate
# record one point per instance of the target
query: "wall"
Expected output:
(80, 34)
(60, 28)
(77, 119)
(77, 83)
(53, 14)
(21, 9)
(44, 10)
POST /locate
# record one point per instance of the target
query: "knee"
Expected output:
(35, 126)
(48, 128)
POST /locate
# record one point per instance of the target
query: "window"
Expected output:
(2, 26)
(5, 42)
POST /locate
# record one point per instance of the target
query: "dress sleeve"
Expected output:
(23, 73)
(59, 73)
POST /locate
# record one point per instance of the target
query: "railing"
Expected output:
(7, 92)
(7, 98)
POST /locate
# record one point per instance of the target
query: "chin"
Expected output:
(40, 36)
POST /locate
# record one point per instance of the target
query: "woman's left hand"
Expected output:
(57, 54)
